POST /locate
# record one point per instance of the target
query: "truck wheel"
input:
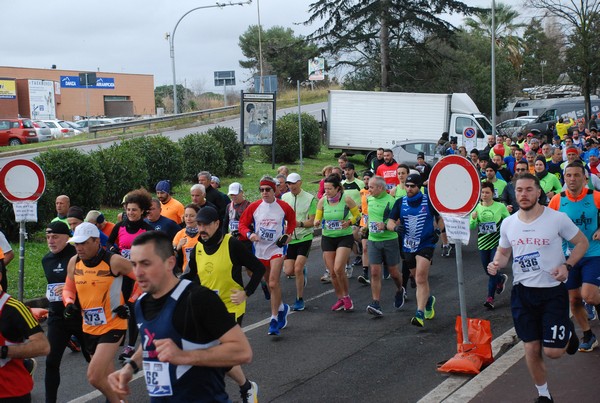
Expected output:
(14, 142)
(369, 157)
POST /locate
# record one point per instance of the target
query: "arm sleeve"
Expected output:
(355, 214)
(246, 219)
(69, 294)
(240, 256)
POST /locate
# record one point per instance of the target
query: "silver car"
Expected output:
(405, 152)
(43, 132)
(59, 128)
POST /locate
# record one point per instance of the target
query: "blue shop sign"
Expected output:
(106, 83)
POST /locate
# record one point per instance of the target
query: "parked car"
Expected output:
(405, 152)
(59, 128)
(76, 129)
(83, 124)
(43, 131)
(17, 131)
(512, 127)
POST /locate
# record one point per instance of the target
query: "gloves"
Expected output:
(235, 234)
(122, 311)
(282, 240)
(436, 235)
(399, 229)
(70, 311)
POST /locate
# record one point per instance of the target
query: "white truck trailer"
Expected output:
(362, 121)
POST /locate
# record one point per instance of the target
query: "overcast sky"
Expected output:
(128, 36)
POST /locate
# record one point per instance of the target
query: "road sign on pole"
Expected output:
(454, 188)
(22, 182)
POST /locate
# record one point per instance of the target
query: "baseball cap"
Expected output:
(530, 134)
(163, 186)
(83, 232)
(349, 165)
(421, 155)
(58, 227)
(75, 212)
(207, 215)
(493, 166)
(294, 177)
(415, 179)
(235, 188)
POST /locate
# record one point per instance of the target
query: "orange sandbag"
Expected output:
(463, 363)
(480, 339)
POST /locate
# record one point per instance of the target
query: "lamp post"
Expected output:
(171, 38)
(543, 64)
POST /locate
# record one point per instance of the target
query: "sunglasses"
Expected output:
(410, 186)
(264, 189)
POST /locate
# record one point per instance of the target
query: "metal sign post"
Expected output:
(454, 199)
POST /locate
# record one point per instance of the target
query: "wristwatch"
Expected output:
(248, 234)
(133, 364)
(568, 266)
(3, 352)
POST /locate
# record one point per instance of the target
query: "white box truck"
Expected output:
(362, 121)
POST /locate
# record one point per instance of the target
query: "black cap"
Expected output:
(207, 215)
(415, 179)
(421, 155)
(349, 165)
(493, 166)
(58, 227)
(76, 212)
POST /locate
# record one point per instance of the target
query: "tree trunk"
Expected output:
(384, 39)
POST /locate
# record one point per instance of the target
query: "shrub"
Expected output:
(232, 149)
(73, 173)
(201, 152)
(162, 158)
(121, 172)
(287, 147)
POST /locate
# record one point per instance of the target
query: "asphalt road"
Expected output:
(340, 356)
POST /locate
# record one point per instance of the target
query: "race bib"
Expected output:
(51, 293)
(389, 186)
(373, 228)
(411, 243)
(158, 381)
(488, 228)
(528, 262)
(188, 252)
(266, 234)
(94, 316)
(234, 226)
(332, 225)
(126, 253)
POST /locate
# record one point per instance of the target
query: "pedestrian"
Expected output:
(539, 299)
(6, 256)
(170, 207)
(159, 222)
(187, 238)
(62, 204)
(387, 170)
(180, 362)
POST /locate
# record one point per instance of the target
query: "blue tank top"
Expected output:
(418, 224)
(584, 214)
(175, 383)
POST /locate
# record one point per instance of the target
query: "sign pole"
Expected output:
(461, 292)
(22, 234)
(300, 125)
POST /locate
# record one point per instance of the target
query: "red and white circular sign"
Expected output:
(22, 180)
(454, 185)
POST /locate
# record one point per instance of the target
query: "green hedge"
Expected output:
(201, 152)
(287, 147)
(232, 149)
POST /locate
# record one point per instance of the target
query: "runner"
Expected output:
(581, 205)
(186, 239)
(269, 224)
(382, 245)
(170, 207)
(336, 213)
(181, 363)
(413, 217)
(95, 277)
(540, 301)
(364, 229)
(305, 206)
(487, 218)
(387, 170)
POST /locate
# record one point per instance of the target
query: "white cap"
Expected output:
(83, 232)
(235, 188)
(293, 178)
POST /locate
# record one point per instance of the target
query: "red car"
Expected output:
(17, 131)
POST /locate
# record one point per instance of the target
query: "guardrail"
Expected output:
(150, 121)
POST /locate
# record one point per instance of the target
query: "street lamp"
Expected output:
(543, 64)
(171, 38)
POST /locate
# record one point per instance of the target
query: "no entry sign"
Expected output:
(22, 180)
(454, 185)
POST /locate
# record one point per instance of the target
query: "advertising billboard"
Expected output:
(8, 89)
(258, 118)
(41, 99)
(106, 83)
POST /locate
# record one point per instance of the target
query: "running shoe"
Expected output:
(348, 305)
(573, 345)
(399, 298)
(338, 306)
(591, 311)
(501, 285)
(273, 328)
(326, 278)
(544, 399)
(291, 277)
(282, 316)
(589, 345)
(349, 270)
(445, 250)
(386, 273)
(251, 395)
(413, 282)
(74, 345)
(418, 320)
(127, 353)
(30, 365)
(364, 279)
(374, 309)
(265, 288)
(305, 274)
(357, 261)
(489, 303)
(429, 307)
(298, 305)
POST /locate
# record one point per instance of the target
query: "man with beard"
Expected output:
(171, 208)
(378, 160)
(216, 262)
(387, 170)
(539, 299)
(159, 222)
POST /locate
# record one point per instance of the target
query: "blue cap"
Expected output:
(164, 186)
